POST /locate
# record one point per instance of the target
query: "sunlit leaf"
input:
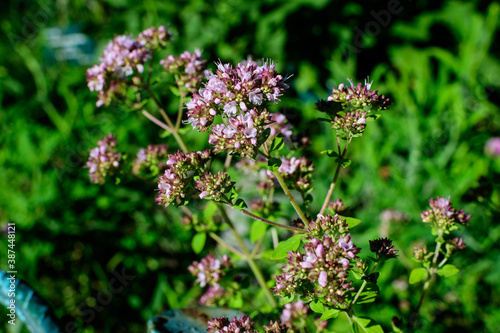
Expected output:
(418, 274)
(291, 244)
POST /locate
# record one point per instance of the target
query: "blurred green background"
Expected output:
(438, 61)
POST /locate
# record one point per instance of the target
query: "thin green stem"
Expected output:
(179, 111)
(335, 177)
(362, 286)
(253, 266)
(156, 120)
(226, 245)
(432, 274)
(169, 124)
(256, 217)
(290, 197)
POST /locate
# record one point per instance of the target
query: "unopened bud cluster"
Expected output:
(337, 207)
(122, 61)
(239, 95)
(383, 248)
(328, 224)
(103, 160)
(214, 186)
(443, 216)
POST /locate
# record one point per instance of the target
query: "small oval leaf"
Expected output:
(291, 244)
(198, 242)
(257, 231)
(447, 270)
(418, 274)
(329, 313)
(317, 307)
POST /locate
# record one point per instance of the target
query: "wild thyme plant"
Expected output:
(315, 270)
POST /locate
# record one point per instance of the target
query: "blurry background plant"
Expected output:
(438, 61)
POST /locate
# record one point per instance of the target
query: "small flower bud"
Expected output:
(383, 248)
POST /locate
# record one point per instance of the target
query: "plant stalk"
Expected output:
(334, 181)
(290, 197)
(362, 286)
(253, 266)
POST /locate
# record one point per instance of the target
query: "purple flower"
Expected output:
(359, 96)
(103, 160)
(122, 59)
(212, 295)
(187, 68)
(492, 147)
(223, 325)
(210, 270)
(443, 215)
(177, 182)
(239, 95)
(325, 266)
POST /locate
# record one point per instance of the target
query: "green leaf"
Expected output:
(240, 204)
(365, 325)
(351, 221)
(257, 231)
(291, 244)
(277, 143)
(344, 162)
(175, 91)
(198, 242)
(286, 299)
(330, 153)
(317, 307)
(369, 294)
(447, 270)
(358, 275)
(236, 302)
(329, 313)
(209, 211)
(273, 164)
(418, 274)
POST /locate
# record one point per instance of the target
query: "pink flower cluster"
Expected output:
(242, 325)
(297, 172)
(443, 215)
(359, 96)
(355, 103)
(492, 147)
(324, 266)
(238, 95)
(337, 207)
(223, 325)
(152, 159)
(103, 160)
(210, 270)
(187, 68)
(123, 58)
(295, 317)
(177, 181)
